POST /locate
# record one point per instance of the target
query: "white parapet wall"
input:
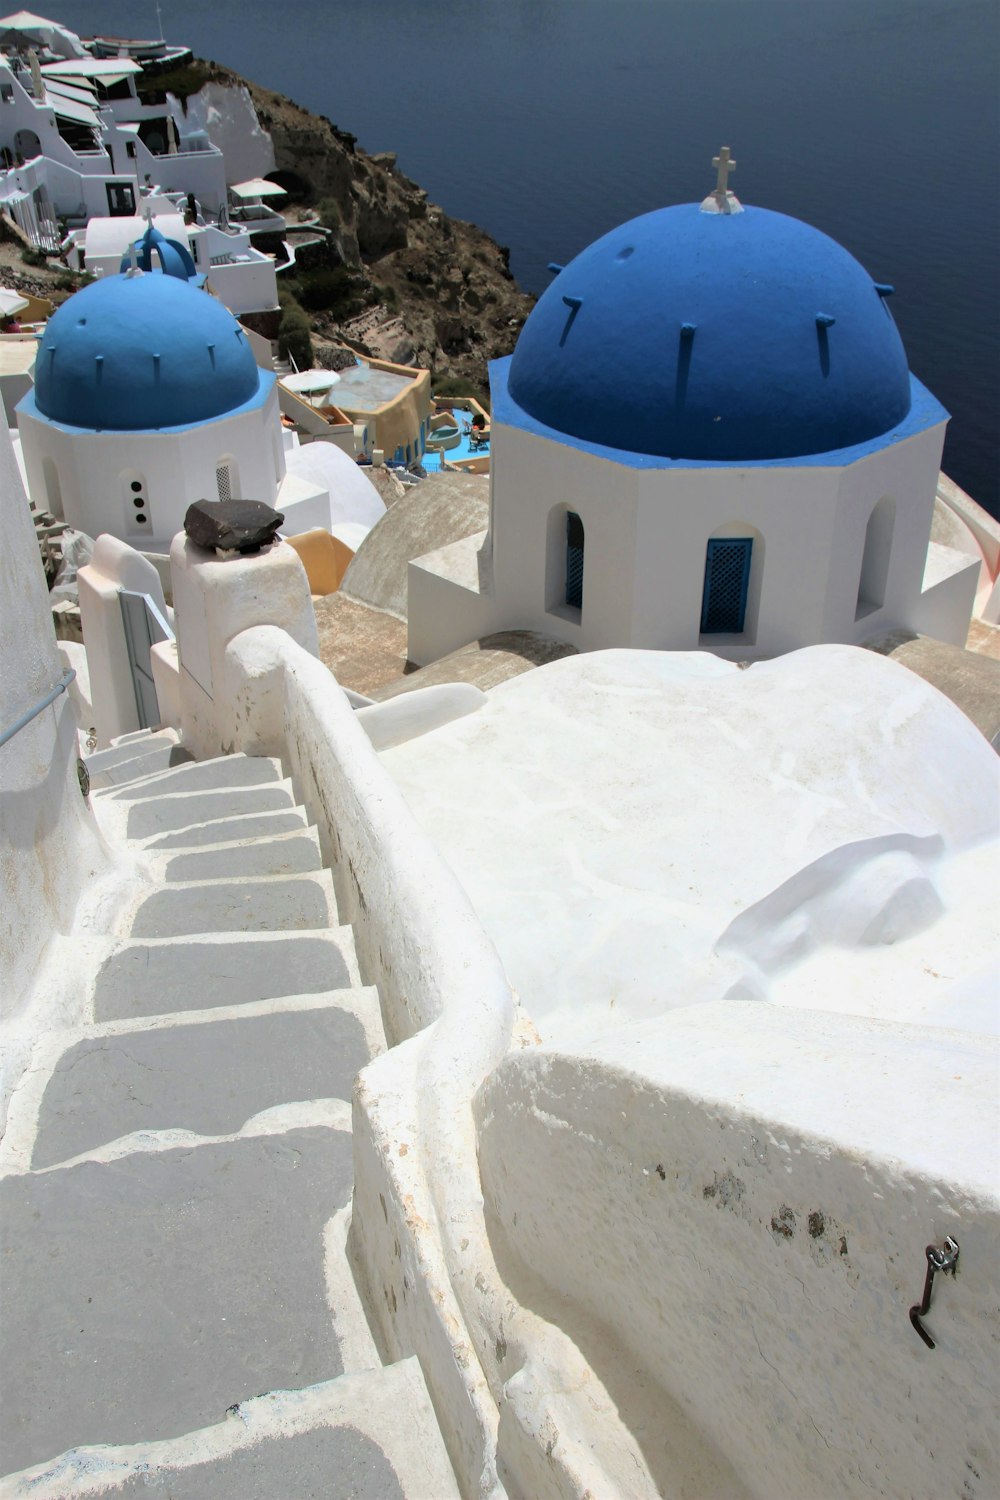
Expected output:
(51, 850)
(437, 974)
(732, 1202)
(216, 598)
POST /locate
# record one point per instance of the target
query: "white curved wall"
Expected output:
(49, 844)
(730, 1205)
(178, 467)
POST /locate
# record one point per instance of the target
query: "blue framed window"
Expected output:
(727, 580)
(574, 560)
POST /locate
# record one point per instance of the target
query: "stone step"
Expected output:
(230, 830)
(146, 1294)
(169, 813)
(222, 774)
(171, 975)
(115, 767)
(371, 1435)
(148, 736)
(285, 854)
(210, 1077)
(290, 903)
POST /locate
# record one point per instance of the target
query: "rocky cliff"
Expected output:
(401, 279)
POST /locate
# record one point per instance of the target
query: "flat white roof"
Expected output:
(17, 355)
(112, 236)
(684, 794)
(107, 69)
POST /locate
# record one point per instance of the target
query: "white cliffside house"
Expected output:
(67, 157)
(78, 145)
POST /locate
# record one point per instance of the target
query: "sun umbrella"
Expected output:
(23, 29)
(11, 302)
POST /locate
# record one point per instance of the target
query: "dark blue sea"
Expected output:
(550, 121)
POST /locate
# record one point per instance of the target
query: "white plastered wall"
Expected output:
(732, 1202)
(646, 533)
(215, 599)
(50, 847)
(789, 513)
(113, 567)
(228, 117)
(177, 467)
(246, 285)
(534, 483)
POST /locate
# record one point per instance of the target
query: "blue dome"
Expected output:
(134, 353)
(175, 259)
(721, 337)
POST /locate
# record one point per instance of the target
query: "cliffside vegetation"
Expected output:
(395, 277)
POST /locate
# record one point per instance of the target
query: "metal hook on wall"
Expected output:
(945, 1260)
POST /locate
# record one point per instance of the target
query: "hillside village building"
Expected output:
(241, 276)
(69, 153)
(81, 151)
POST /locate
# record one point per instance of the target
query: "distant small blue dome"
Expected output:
(174, 258)
(720, 337)
(135, 353)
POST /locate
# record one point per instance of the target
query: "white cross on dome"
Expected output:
(722, 200)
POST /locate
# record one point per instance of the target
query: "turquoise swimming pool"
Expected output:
(463, 449)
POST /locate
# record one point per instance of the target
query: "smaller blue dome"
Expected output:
(136, 353)
(174, 258)
(713, 337)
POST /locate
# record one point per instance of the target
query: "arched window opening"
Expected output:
(874, 574)
(574, 560)
(564, 560)
(727, 585)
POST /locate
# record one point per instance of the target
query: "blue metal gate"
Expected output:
(727, 578)
(574, 560)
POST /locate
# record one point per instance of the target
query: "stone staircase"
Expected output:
(179, 1315)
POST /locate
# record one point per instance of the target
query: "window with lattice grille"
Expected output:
(727, 579)
(224, 482)
(574, 560)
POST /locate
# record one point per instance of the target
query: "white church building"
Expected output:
(707, 436)
(148, 397)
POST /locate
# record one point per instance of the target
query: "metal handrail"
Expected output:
(32, 713)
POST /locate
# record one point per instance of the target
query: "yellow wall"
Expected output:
(398, 422)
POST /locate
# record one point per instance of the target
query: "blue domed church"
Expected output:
(147, 397)
(707, 437)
